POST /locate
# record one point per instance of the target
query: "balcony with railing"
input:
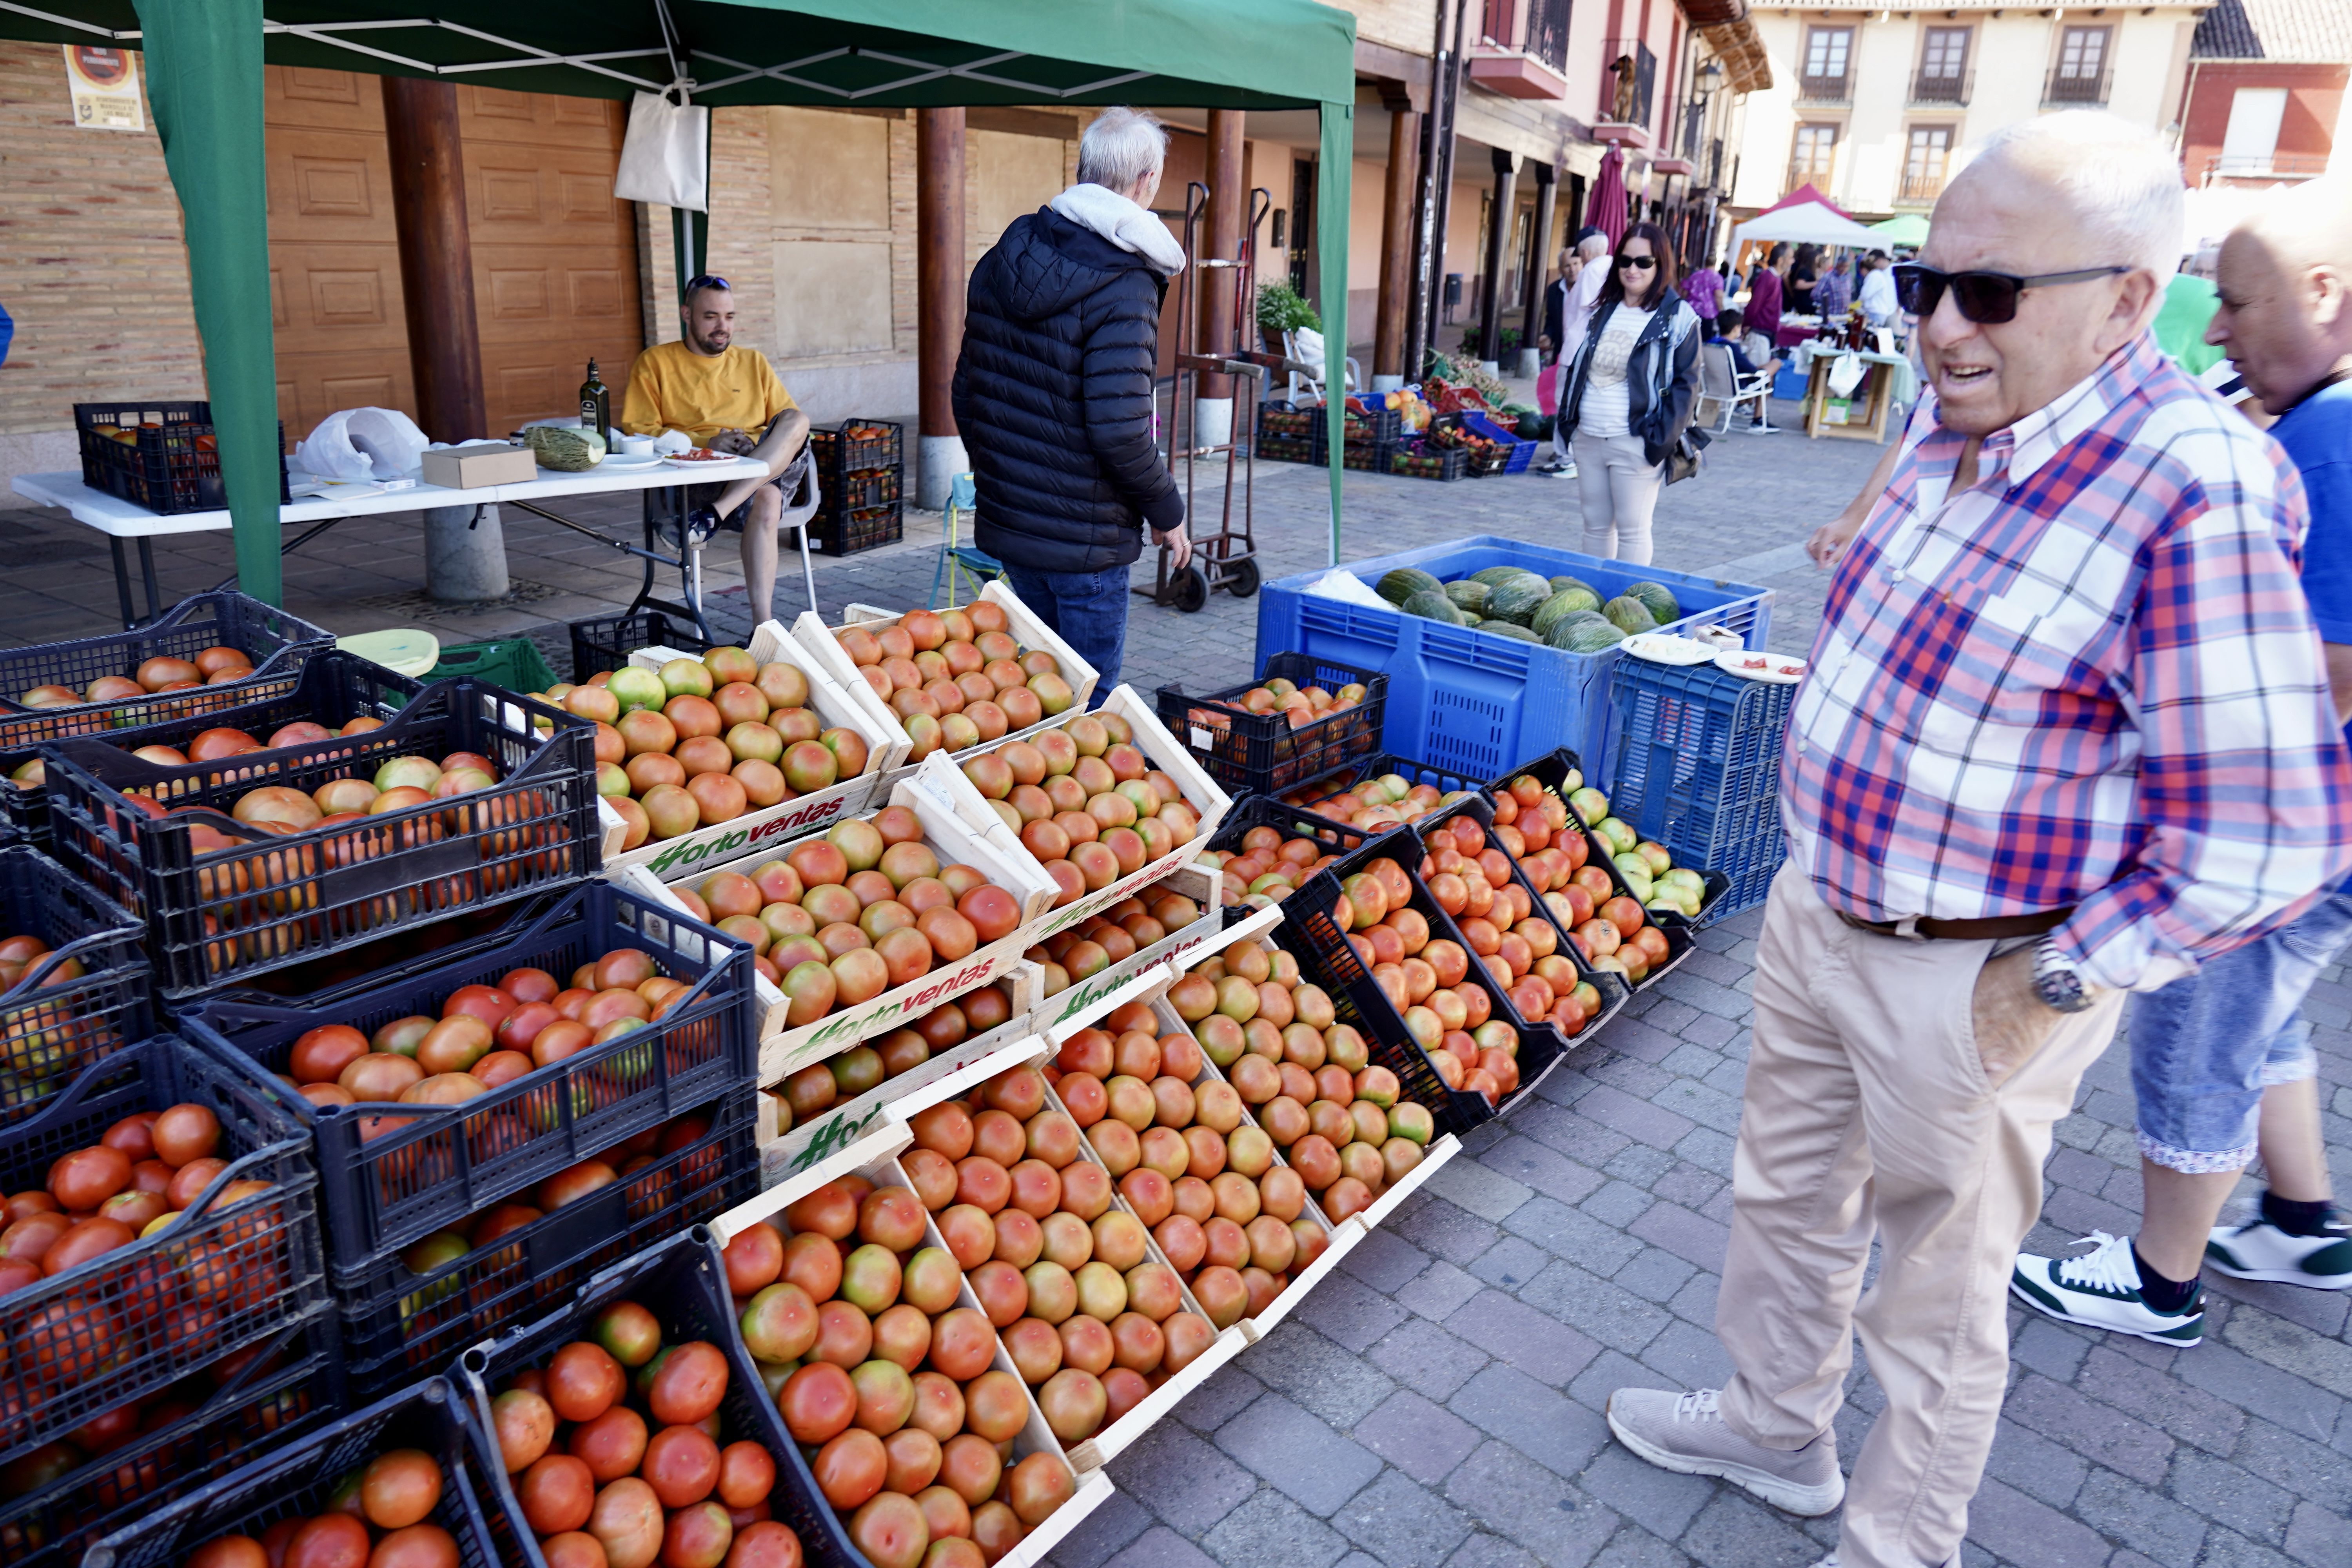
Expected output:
(1930, 90)
(1522, 48)
(2221, 168)
(2078, 87)
(1919, 190)
(1626, 92)
(1819, 89)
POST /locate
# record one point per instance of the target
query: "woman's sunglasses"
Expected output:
(1638, 263)
(1986, 298)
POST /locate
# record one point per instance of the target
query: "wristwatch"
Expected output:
(2056, 981)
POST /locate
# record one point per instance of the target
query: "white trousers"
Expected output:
(1619, 487)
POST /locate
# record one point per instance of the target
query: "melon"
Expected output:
(1657, 599)
(1575, 634)
(1509, 629)
(1431, 605)
(1493, 576)
(1629, 615)
(569, 451)
(1404, 581)
(1519, 600)
(1565, 601)
(1467, 594)
(1561, 584)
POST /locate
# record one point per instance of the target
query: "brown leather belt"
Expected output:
(1997, 928)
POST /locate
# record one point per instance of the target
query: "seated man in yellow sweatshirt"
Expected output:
(728, 399)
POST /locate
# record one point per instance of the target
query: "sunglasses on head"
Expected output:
(1638, 263)
(706, 281)
(1986, 298)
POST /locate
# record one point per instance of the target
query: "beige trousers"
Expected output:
(1867, 1113)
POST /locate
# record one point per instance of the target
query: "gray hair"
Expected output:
(1119, 147)
(2118, 180)
(1593, 246)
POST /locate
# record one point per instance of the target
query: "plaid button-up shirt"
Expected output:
(2089, 680)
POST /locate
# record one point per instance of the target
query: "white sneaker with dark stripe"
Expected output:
(2101, 1290)
(2264, 1251)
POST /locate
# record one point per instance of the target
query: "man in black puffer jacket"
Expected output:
(1053, 391)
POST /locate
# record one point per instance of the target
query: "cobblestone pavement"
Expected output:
(1438, 1399)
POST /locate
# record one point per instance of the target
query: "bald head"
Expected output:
(2285, 279)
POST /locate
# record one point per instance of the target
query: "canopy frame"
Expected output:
(208, 103)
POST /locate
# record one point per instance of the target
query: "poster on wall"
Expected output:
(105, 84)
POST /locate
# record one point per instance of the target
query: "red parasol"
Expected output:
(1606, 210)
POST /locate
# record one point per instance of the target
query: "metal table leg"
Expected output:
(147, 572)
(689, 562)
(122, 582)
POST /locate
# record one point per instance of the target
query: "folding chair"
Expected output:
(1717, 369)
(665, 513)
(977, 565)
(1313, 354)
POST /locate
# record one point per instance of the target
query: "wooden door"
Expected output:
(334, 254)
(555, 256)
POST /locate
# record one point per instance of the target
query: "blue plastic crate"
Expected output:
(1523, 452)
(1698, 768)
(1470, 703)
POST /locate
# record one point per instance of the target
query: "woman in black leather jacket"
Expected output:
(1630, 391)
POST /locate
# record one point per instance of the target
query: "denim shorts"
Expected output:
(2204, 1048)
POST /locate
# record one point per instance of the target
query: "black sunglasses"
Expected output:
(1986, 298)
(1638, 263)
(700, 281)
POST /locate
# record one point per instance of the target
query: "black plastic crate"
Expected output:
(172, 465)
(383, 1193)
(1261, 753)
(880, 445)
(299, 1480)
(1279, 447)
(1313, 794)
(399, 1325)
(683, 1282)
(1549, 771)
(605, 642)
(276, 900)
(1290, 821)
(144, 1316)
(1616, 990)
(275, 641)
(50, 1029)
(294, 1386)
(865, 527)
(1422, 460)
(330, 687)
(859, 488)
(1299, 423)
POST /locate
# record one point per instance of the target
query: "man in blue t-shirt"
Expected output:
(2222, 1067)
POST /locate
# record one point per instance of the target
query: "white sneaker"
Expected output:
(1684, 1432)
(2101, 1290)
(1565, 472)
(2262, 1251)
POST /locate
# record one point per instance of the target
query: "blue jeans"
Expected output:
(2204, 1048)
(1086, 609)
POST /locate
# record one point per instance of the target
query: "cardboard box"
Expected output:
(479, 465)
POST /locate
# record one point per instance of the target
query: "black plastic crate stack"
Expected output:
(1370, 439)
(861, 477)
(278, 644)
(668, 1109)
(214, 916)
(302, 1479)
(603, 643)
(1264, 753)
(171, 463)
(1291, 435)
(683, 1283)
(53, 1027)
(164, 1359)
(1421, 459)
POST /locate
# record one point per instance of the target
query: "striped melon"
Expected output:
(1595, 636)
(1657, 599)
(1432, 605)
(568, 450)
(1509, 629)
(1467, 594)
(1629, 615)
(1518, 599)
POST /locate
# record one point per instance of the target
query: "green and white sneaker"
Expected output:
(2101, 1290)
(2264, 1251)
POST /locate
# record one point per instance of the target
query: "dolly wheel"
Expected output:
(1241, 578)
(1189, 590)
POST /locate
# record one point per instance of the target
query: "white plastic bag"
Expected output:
(1345, 585)
(665, 158)
(1845, 375)
(361, 444)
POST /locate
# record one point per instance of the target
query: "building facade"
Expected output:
(1871, 104)
(2265, 101)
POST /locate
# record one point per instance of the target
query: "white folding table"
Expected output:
(120, 520)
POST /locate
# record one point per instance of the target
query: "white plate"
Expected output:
(1659, 649)
(629, 461)
(1778, 670)
(720, 462)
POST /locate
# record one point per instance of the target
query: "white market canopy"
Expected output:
(1805, 223)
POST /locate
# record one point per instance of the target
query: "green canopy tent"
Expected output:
(1907, 228)
(203, 64)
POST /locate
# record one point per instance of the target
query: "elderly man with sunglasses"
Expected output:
(2066, 733)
